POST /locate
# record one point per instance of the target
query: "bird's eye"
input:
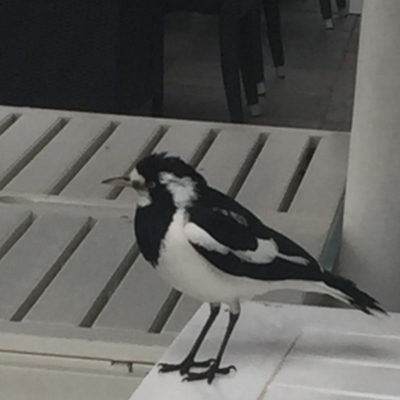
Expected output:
(151, 185)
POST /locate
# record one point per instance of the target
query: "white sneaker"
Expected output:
(328, 24)
(280, 72)
(261, 90)
(255, 110)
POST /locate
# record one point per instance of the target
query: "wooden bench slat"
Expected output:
(180, 140)
(180, 316)
(137, 300)
(7, 118)
(59, 384)
(67, 341)
(356, 378)
(225, 158)
(22, 140)
(114, 158)
(78, 285)
(276, 392)
(39, 250)
(349, 346)
(4, 115)
(273, 171)
(354, 360)
(324, 182)
(58, 159)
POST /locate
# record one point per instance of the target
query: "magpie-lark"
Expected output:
(207, 245)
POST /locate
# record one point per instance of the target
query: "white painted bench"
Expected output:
(68, 263)
(289, 352)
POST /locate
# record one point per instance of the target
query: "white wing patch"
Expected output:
(267, 250)
(294, 259)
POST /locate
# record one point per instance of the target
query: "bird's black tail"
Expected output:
(347, 291)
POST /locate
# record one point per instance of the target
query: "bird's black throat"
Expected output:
(151, 225)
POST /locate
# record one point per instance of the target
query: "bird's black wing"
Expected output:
(225, 226)
(235, 241)
(213, 198)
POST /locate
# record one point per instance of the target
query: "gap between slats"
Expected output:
(204, 147)
(20, 230)
(84, 158)
(34, 151)
(298, 176)
(247, 165)
(162, 130)
(110, 287)
(172, 300)
(9, 120)
(33, 297)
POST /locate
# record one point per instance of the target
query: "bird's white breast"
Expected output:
(179, 264)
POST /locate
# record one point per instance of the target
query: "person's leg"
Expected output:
(273, 22)
(342, 7)
(246, 53)
(326, 11)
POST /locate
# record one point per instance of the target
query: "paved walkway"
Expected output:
(319, 88)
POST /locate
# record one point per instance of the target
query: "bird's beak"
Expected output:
(118, 181)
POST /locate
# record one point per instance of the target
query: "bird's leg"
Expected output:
(214, 368)
(188, 362)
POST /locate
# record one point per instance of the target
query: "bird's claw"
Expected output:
(184, 367)
(209, 374)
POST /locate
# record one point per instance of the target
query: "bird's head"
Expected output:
(158, 176)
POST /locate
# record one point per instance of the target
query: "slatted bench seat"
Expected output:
(68, 259)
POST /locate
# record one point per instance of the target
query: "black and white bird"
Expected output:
(207, 245)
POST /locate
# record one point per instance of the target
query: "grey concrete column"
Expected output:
(371, 236)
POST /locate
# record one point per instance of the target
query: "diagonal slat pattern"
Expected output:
(42, 248)
(73, 269)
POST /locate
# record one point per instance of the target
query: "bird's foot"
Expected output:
(209, 374)
(185, 366)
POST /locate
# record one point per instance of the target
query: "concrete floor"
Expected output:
(320, 68)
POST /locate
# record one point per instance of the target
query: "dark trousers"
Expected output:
(326, 7)
(273, 23)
